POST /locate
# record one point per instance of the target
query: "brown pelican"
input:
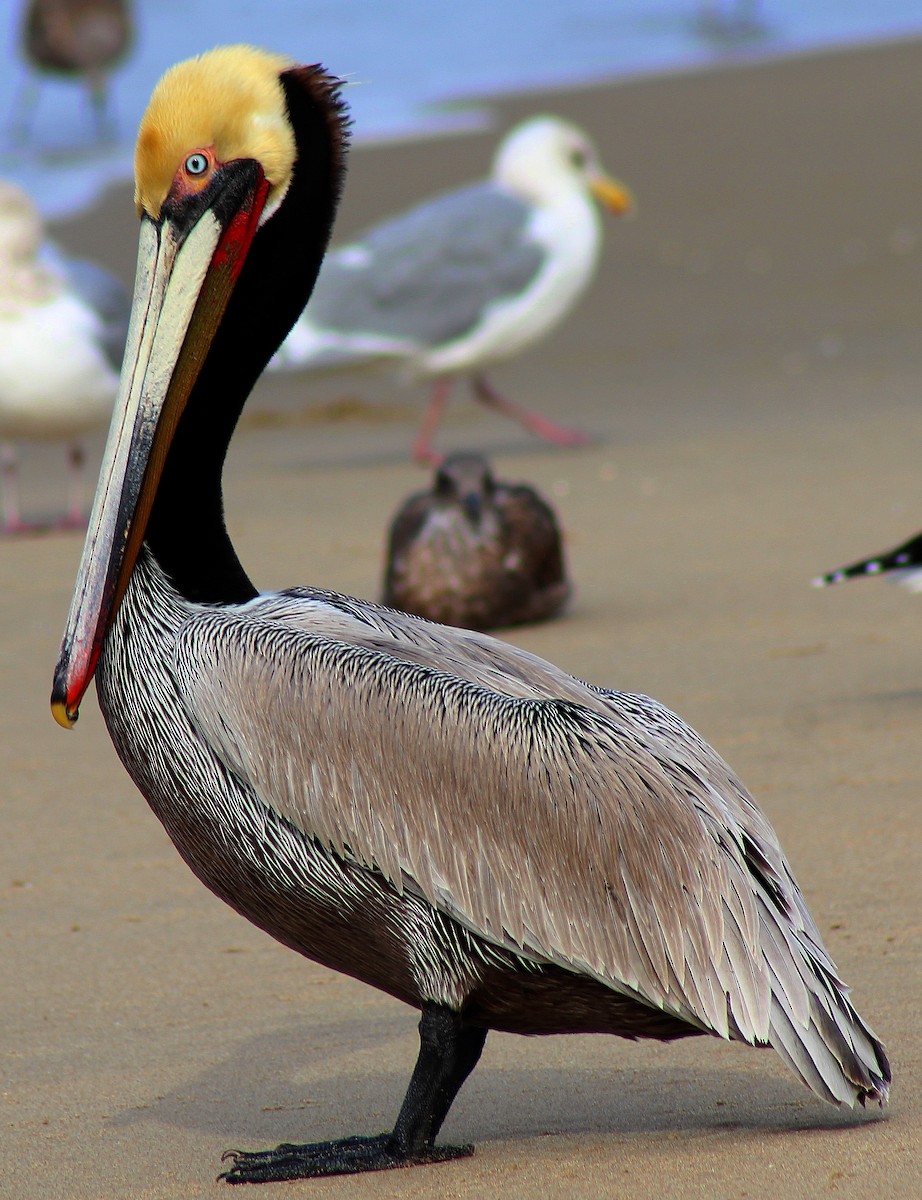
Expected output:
(468, 278)
(474, 551)
(446, 817)
(63, 323)
(902, 564)
(83, 39)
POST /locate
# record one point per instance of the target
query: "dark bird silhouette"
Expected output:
(432, 811)
(902, 565)
(79, 39)
(475, 552)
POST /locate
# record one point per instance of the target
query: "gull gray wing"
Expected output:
(427, 276)
(587, 828)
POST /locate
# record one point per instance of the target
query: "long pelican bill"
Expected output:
(189, 259)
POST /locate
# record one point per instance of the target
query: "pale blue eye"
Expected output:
(196, 164)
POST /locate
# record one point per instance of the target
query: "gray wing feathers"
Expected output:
(814, 1027)
(585, 853)
(425, 278)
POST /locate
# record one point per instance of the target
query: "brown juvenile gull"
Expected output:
(78, 39)
(474, 551)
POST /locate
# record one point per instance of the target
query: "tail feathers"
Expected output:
(833, 1051)
(904, 562)
(812, 1023)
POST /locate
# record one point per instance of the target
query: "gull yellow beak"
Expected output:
(613, 195)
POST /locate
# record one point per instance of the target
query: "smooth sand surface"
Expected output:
(750, 360)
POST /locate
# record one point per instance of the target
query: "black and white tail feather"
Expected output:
(902, 565)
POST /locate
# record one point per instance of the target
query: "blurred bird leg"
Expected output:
(423, 451)
(543, 427)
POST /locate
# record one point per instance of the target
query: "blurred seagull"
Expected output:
(468, 278)
(84, 39)
(475, 552)
(903, 565)
(63, 324)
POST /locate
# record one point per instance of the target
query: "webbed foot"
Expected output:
(344, 1156)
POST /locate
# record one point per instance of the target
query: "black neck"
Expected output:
(186, 531)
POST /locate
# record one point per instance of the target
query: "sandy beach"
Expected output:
(750, 363)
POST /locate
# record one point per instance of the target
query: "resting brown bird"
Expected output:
(475, 552)
(439, 814)
(82, 39)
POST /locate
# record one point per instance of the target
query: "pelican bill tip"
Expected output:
(64, 713)
(65, 717)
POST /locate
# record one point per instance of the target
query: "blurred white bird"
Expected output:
(902, 565)
(468, 278)
(63, 324)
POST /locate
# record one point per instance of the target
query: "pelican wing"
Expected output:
(429, 275)
(588, 828)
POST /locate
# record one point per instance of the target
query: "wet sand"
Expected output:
(750, 362)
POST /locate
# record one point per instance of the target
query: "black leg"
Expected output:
(448, 1052)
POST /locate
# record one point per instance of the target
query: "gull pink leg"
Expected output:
(544, 428)
(9, 478)
(422, 447)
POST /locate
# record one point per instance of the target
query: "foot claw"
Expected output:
(347, 1156)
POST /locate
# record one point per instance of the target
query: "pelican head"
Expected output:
(225, 107)
(234, 146)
